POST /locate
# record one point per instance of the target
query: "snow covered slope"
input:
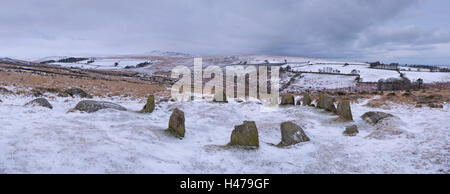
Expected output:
(40, 140)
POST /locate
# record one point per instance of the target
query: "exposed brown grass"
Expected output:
(433, 98)
(113, 86)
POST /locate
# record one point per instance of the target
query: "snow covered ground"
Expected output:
(310, 81)
(428, 77)
(367, 74)
(40, 140)
(106, 64)
(166, 61)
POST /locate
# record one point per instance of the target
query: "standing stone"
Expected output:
(291, 134)
(40, 102)
(344, 111)
(176, 124)
(351, 130)
(245, 135)
(287, 99)
(150, 105)
(307, 100)
(329, 104)
(321, 101)
(224, 98)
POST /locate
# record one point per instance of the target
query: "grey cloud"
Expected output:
(311, 28)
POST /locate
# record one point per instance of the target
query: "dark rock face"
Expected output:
(287, 99)
(351, 130)
(375, 117)
(40, 102)
(77, 92)
(94, 106)
(307, 100)
(292, 134)
(150, 105)
(329, 104)
(245, 135)
(177, 124)
(344, 111)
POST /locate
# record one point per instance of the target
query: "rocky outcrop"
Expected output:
(150, 105)
(287, 99)
(344, 111)
(177, 126)
(373, 117)
(291, 134)
(245, 135)
(40, 102)
(351, 130)
(91, 106)
(306, 100)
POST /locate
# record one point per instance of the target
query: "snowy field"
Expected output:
(106, 64)
(40, 140)
(428, 77)
(367, 74)
(310, 81)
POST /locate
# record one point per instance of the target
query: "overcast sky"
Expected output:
(407, 31)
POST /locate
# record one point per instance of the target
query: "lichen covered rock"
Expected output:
(321, 101)
(245, 135)
(329, 104)
(351, 130)
(177, 124)
(150, 105)
(307, 100)
(344, 111)
(291, 134)
(287, 99)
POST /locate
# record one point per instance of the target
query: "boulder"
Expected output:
(351, 130)
(291, 134)
(40, 102)
(287, 99)
(307, 100)
(329, 104)
(94, 106)
(374, 117)
(77, 92)
(177, 124)
(321, 101)
(344, 111)
(150, 105)
(245, 135)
